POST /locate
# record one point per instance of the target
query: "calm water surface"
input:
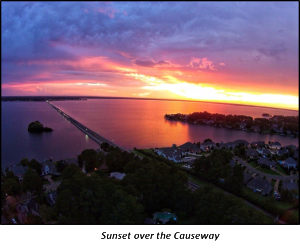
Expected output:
(16, 142)
(141, 123)
(129, 123)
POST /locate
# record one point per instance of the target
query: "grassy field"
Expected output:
(139, 154)
(268, 171)
(199, 182)
(253, 164)
(273, 183)
(280, 169)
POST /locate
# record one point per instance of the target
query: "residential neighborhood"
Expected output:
(277, 124)
(267, 170)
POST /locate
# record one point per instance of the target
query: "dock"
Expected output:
(92, 134)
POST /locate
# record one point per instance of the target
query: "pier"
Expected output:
(93, 135)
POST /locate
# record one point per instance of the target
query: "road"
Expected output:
(194, 187)
(92, 134)
(276, 177)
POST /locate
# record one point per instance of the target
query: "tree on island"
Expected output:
(37, 127)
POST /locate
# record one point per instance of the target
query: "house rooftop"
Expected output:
(117, 175)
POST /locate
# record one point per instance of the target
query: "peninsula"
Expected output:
(37, 127)
(277, 124)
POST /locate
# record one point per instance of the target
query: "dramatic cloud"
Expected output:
(230, 46)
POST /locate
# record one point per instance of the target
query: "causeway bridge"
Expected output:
(92, 134)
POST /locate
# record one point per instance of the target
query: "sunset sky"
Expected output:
(233, 52)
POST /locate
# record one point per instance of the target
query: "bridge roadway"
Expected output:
(93, 135)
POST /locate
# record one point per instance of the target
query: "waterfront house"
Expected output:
(117, 175)
(275, 128)
(229, 145)
(242, 125)
(266, 152)
(275, 145)
(48, 167)
(258, 144)
(207, 145)
(241, 142)
(189, 147)
(251, 153)
(282, 152)
(210, 122)
(28, 207)
(70, 161)
(288, 132)
(260, 150)
(172, 154)
(260, 185)
(18, 170)
(289, 163)
(255, 128)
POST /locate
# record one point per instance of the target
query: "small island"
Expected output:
(37, 127)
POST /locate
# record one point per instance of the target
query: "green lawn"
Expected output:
(253, 164)
(268, 171)
(149, 151)
(273, 183)
(139, 153)
(280, 169)
(198, 181)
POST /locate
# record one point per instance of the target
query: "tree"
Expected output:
(32, 182)
(60, 165)
(3, 197)
(12, 187)
(90, 159)
(207, 140)
(236, 180)
(10, 175)
(34, 219)
(47, 213)
(70, 171)
(100, 156)
(35, 165)
(104, 146)
(80, 160)
(24, 162)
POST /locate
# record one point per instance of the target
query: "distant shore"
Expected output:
(58, 98)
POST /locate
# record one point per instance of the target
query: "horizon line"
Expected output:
(139, 98)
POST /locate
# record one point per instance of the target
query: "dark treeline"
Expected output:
(38, 98)
(149, 186)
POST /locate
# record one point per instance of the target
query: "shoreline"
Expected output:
(56, 98)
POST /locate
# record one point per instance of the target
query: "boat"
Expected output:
(266, 115)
